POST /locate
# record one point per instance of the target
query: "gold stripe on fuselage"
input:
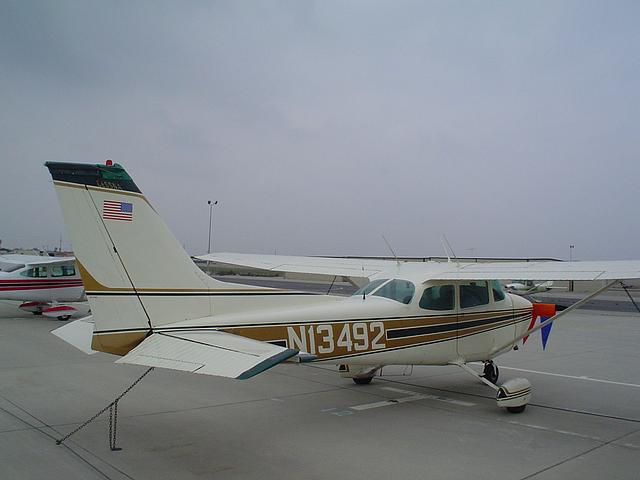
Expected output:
(92, 285)
(340, 339)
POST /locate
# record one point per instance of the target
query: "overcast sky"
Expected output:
(512, 127)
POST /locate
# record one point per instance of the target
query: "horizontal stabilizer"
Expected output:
(208, 353)
(78, 333)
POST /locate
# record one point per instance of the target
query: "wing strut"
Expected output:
(626, 290)
(508, 346)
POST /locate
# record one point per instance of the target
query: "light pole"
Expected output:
(571, 252)
(211, 204)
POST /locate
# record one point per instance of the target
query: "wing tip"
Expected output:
(268, 363)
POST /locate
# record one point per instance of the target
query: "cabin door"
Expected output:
(485, 319)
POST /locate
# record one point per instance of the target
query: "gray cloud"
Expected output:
(319, 126)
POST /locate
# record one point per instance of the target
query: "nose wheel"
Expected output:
(491, 371)
(514, 394)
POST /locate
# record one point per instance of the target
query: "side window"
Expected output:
(439, 297)
(473, 294)
(63, 271)
(35, 272)
(399, 290)
(498, 292)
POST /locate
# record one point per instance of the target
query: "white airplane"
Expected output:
(153, 306)
(42, 284)
(528, 287)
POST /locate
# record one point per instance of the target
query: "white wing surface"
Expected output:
(34, 260)
(208, 353)
(346, 267)
(605, 270)
(353, 268)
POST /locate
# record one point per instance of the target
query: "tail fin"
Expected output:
(126, 255)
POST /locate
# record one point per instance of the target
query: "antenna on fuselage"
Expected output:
(447, 249)
(391, 250)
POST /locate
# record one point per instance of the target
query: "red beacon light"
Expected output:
(109, 163)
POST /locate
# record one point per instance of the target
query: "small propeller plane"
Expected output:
(528, 287)
(42, 284)
(153, 306)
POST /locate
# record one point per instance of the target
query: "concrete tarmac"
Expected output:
(305, 422)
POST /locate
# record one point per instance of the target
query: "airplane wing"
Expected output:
(208, 353)
(35, 260)
(605, 270)
(345, 267)
(365, 268)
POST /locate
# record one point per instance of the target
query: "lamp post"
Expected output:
(571, 252)
(211, 204)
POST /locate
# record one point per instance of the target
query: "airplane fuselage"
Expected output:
(41, 284)
(358, 330)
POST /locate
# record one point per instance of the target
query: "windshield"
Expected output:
(10, 267)
(498, 292)
(369, 287)
(398, 290)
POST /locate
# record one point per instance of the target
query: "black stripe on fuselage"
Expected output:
(398, 333)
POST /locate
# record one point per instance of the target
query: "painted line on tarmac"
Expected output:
(432, 397)
(413, 397)
(555, 430)
(575, 377)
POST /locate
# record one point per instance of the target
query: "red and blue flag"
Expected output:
(542, 311)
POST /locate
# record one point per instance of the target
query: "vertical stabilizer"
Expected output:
(136, 274)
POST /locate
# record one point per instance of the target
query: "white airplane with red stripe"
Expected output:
(43, 284)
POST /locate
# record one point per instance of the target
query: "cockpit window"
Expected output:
(498, 292)
(439, 297)
(37, 272)
(370, 287)
(11, 267)
(63, 271)
(473, 294)
(399, 290)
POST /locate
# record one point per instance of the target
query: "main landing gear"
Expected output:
(514, 394)
(491, 371)
(362, 380)
(360, 374)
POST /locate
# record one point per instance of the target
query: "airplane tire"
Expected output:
(491, 372)
(362, 380)
(519, 409)
(64, 318)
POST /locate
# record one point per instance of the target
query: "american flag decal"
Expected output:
(117, 210)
